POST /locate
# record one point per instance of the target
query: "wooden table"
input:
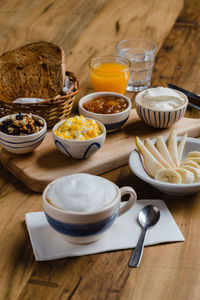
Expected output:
(88, 28)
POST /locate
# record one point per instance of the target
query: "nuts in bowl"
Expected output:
(112, 109)
(161, 107)
(22, 133)
(172, 167)
(79, 137)
(19, 124)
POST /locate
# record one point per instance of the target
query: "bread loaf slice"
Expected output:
(35, 70)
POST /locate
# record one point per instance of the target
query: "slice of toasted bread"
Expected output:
(35, 70)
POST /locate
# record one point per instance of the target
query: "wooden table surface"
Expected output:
(88, 28)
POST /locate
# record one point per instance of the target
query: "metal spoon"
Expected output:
(148, 217)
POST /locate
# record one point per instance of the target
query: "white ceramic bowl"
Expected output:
(22, 144)
(159, 118)
(79, 149)
(112, 122)
(137, 168)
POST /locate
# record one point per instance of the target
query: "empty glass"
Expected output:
(141, 54)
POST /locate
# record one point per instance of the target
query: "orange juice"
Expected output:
(110, 77)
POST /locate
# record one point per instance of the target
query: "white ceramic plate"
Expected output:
(136, 166)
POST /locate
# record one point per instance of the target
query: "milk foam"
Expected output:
(81, 193)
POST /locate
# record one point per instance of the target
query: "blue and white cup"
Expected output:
(86, 227)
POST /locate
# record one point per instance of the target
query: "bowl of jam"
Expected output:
(112, 109)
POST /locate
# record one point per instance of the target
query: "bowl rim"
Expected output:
(152, 181)
(44, 128)
(158, 110)
(94, 95)
(103, 133)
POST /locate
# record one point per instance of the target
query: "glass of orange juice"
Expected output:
(109, 73)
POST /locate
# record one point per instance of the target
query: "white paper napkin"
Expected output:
(28, 100)
(124, 234)
(68, 84)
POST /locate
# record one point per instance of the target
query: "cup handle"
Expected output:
(133, 197)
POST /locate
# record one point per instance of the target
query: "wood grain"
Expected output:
(47, 163)
(121, 20)
(59, 21)
(178, 61)
(86, 28)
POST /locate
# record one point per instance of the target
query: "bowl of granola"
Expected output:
(22, 133)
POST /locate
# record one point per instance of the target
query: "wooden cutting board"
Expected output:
(46, 163)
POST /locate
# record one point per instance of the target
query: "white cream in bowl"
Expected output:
(162, 98)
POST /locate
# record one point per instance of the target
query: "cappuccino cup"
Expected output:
(82, 207)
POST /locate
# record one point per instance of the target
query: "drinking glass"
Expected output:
(109, 73)
(141, 54)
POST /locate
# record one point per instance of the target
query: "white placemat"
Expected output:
(124, 234)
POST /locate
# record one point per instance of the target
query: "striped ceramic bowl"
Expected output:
(160, 118)
(22, 144)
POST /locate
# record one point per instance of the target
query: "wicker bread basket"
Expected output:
(52, 110)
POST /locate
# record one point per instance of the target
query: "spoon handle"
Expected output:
(136, 256)
(187, 93)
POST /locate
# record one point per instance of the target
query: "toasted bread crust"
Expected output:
(34, 70)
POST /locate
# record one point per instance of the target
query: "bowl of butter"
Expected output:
(161, 107)
(79, 137)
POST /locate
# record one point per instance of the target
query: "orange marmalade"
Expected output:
(106, 105)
